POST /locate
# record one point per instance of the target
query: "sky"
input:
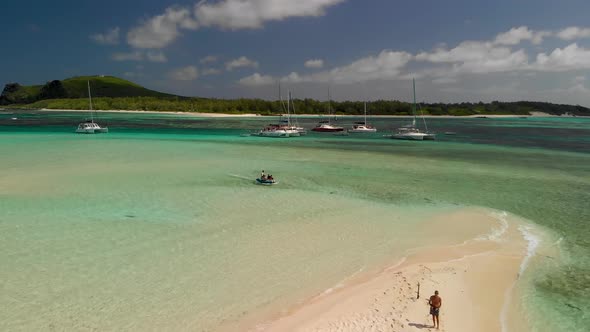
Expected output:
(457, 50)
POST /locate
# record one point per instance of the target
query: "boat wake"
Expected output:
(240, 177)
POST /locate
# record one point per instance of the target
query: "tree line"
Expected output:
(52, 95)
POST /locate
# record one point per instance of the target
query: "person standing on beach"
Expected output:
(435, 303)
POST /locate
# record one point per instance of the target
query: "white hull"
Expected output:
(91, 128)
(363, 130)
(410, 137)
(277, 133)
(414, 136)
(92, 131)
(302, 131)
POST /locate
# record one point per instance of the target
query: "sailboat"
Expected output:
(326, 125)
(362, 127)
(90, 127)
(411, 132)
(288, 123)
(279, 129)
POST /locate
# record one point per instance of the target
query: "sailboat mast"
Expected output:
(289, 110)
(90, 100)
(280, 96)
(414, 105)
(329, 106)
(365, 113)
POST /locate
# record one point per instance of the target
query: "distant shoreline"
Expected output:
(226, 115)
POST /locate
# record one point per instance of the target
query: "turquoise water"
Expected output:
(158, 221)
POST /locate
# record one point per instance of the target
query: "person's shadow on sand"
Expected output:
(420, 326)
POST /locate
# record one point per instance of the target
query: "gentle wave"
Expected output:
(496, 233)
(533, 242)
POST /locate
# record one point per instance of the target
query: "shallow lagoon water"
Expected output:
(159, 222)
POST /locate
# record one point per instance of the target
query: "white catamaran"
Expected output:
(90, 127)
(279, 129)
(411, 132)
(288, 123)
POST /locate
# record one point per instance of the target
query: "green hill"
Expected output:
(75, 87)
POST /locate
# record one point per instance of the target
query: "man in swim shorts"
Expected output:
(435, 303)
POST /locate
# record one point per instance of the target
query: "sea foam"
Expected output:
(497, 232)
(533, 242)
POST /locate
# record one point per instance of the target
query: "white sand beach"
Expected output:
(476, 280)
(198, 114)
(222, 115)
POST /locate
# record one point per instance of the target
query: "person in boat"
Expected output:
(262, 176)
(269, 178)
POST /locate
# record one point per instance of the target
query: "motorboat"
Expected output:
(266, 182)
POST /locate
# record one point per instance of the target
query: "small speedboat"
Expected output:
(266, 182)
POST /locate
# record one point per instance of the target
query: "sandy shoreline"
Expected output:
(476, 279)
(198, 114)
(225, 115)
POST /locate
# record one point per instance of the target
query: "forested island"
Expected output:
(112, 93)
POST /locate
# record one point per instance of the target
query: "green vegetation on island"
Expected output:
(112, 93)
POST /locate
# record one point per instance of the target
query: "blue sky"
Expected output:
(457, 50)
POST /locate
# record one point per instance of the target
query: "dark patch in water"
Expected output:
(573, 306)
(129, 216)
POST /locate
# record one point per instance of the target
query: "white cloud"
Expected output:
(579, 79)
(240, 62)
(314, 63)
(386, 65)
(474, 57)
(444, 80)
(516, 35)
(251, 14)
(210, 71)
(131, 74)
(161, 30)
(571, 57)
(465, 51)
(156, 56)
(208, 59)
(572, 33)
(111, 37)
(508, 69)
(140, 56)
(132, 56)
(256, 80)
(187, 73)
